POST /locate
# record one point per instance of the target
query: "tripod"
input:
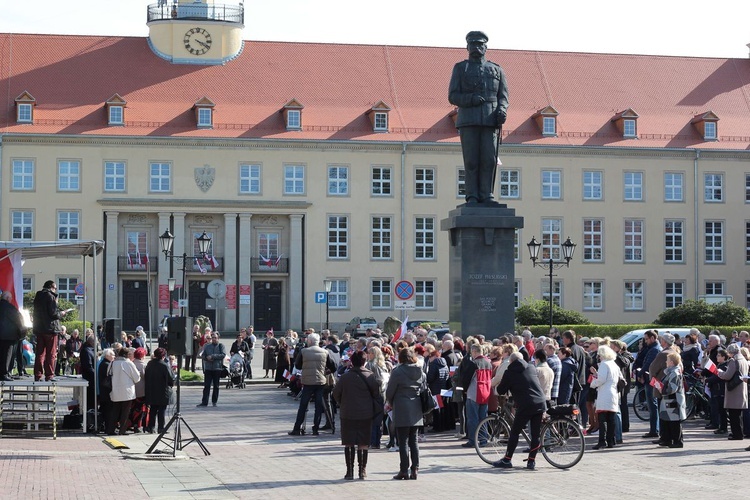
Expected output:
(177, 442)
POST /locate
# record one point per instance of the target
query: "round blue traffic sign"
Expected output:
(404, 290)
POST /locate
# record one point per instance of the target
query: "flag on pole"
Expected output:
(710, 366)
(144, 259)
(401, 331)
(214, 263)
(200, 268)
(265, 261)
(278, 259)
(130, 261)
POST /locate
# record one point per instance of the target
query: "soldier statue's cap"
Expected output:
(476, 36)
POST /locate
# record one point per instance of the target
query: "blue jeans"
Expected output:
(474, 414)
(653, 411)
(618, 426)
(304, 400)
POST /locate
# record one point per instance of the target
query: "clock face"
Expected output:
(197, 41)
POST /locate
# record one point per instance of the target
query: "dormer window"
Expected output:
(115, 106)
(292, 112)
(707, 125)
(378, 115)
(204, 112)
(546, 120)
(25, 108)
(627, 123)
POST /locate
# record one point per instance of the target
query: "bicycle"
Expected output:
(640, 406)
(696, 400)
(561, 441)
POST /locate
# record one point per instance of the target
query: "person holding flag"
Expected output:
(716, 387)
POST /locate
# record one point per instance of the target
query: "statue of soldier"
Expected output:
(478, 87)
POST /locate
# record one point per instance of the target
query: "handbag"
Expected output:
(224, 372)
(735, 381)
(330, 381)
(425, 395)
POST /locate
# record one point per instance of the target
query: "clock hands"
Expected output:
(203, 44)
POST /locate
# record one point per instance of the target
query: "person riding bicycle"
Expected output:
(522, 381)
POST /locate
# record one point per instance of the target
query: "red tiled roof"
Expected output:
(71, 77)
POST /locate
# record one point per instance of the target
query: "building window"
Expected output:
(713, 187)
(27, 284)
(250, 179)
(461, 183)
(25, 113)
(381, 122)
(380, 298)
(549, 125)
(294, 179)
(66, 288)
(673, 186)
(633, 240)
(68, 224)
(674, 294)
(381, 238)
(634, 295)
(592, 185)
(137, 250)
(116, 115)
(338, 181)
(338, 237)
(205, 117)
(714, 241)
(747, 293)
(633, 184)
(23, 175)
(592, 240)
(381, 181)
(551, 184)
(425, 182)
(747, 242)
(68, 175)
(114, 176)
(510, 184)
(709, 131)
(556, 292)
(294, 119)
(593, 295)
(628, 127)
(517, 245)
(338, 297)
(424, 238)
(747, 188)
(673, 240)
(714, 288)
(268, 245)
(22, 225)
(551, 239)
(516, 294)
(160, 180)
(424, 294)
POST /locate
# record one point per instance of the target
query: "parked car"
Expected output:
(634, 336)
(358, 326)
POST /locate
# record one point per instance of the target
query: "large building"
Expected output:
(309, 162)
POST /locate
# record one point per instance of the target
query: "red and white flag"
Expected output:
(266, 262)
(11, 275)
(214, 262)
(439, 400)
(710, 366)
(278, 259)
(401, 331)
(656, 384)
(200, 268)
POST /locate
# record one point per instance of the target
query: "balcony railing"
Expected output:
(196, 11)
(275, 265)
(137, 263)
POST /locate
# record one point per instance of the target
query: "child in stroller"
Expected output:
(237, 370)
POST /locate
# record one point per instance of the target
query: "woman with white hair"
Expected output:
(735, 396)
(607, 396)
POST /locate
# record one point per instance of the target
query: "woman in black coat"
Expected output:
(105, 402)
(159, 381)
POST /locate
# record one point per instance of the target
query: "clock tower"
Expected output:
(196, 31)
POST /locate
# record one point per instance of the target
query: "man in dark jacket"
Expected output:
(88, 364)
(650, 349)
(522, 381)
(11, 329)
(46, 327)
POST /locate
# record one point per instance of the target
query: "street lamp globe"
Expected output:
(534, 247)
(204, 242)
(166, 240)
(568, 248)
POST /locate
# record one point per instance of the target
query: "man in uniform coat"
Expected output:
(478, 87)
(46, 328)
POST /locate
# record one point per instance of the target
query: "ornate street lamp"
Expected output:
(568, 248)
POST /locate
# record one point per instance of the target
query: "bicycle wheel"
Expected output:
(640, 407)
(562, 443)
(491, 438)
(690, 404)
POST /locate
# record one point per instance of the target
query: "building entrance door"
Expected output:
(197, 295)
(134, 305)
(267, 306)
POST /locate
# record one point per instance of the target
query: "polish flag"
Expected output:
(11, 276)
(710, 366)
(130, 262)
(438, 400)
(200, 268)
(144, 259)
(656, 384)
(401, 331)
(278, 259)
(266, 262)
(214, 262)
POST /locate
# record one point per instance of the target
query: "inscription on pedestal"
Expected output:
(488, 304)
(487, 279)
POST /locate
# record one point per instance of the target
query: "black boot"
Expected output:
(362, 461)
(349, 454)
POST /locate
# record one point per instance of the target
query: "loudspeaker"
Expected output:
(180, 336)
(112, 330)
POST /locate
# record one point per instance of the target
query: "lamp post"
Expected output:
(166, 241)
(567, 249)
(328, 284)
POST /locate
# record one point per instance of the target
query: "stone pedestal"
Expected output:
(481, 271)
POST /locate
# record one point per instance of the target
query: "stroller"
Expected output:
(237, 371)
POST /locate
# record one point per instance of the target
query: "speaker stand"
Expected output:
(178, 442)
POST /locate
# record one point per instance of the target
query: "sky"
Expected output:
(656, 27)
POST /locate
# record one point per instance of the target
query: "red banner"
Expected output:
(231, 296)
(163, 296)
